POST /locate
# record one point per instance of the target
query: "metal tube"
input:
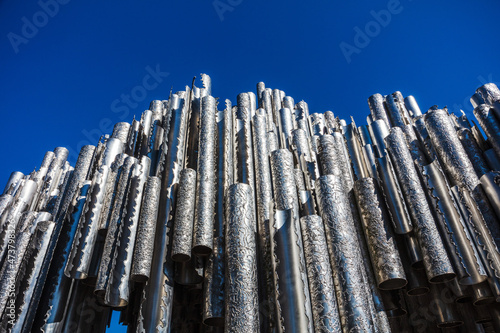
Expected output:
(182, 239)
(437, 264)
(241, 292)
(384, 255)
(290, 279)
(377, 109)
(206, 190)
(143, 251)
(320, 277)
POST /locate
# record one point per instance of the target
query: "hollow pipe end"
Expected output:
(181, 257)
(442, 278)
(202, 250)
(393, 284)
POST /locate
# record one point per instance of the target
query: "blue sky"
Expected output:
(65, 77)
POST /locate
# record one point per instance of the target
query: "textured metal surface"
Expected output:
(377, 109)
(345, 255)
(206, 185)
(456, 237)
(143, 251)
(290, 278)
(490, 125)
(182, 238)
(241, 291)
(380, 240)
(320, 276)
(268, 263)
(436, 261)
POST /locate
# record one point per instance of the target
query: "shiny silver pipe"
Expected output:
(491, 184)
(82, 249)
(51, 179)
(206, 185)
(143, 251)
(290, 277)
(490, 125)
(116, 221)
(455, 235)
(481, 236)
(56, 289)
(384, 254)
(11, 217)
(473, 151)
(28, 291)
(379, 130)
(120, 131)
(156, 307)
(133, 139)
(182, 238)
(489, 94)
(436, 261)
(15, 178)
(345, 255)
(285, 128)
(320, 276)
(18, 243)
(112, 194)
(317, 121)
(393, 197)
(264, 196)
(455, 162)
(241, 291)
(117, 291)
(213, 288)
(377, 108)
(396, 110)
(412, 106)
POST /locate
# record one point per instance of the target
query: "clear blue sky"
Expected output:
(65, 75)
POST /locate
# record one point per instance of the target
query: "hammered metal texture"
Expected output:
(206, 185)
(461, 249)
(241, 291)
(320, 276)
(143, 251)
(290, 278)
(380, 240)
(182, 238)
(490, 125)
(437, 264)
(377, 109)
(345, 255)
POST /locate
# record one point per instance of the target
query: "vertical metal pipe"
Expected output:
(241, 292)
(206, 183)
(377, 109)
(320, 276)
(290, 279)
(436, 261)
(143, 251)
(182, 238)
(384, 255)
(345, 255)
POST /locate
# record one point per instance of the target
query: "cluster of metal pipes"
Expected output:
(262, 217)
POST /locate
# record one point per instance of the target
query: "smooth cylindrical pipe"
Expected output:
(490, 125)
(491, 184)
(241, 292)
(393, 197)
(323, 300)
(384, 254)
(345, 255)
(379, 130)
(143, 251)
(182, 239)
(436, 261)
(412, 106)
